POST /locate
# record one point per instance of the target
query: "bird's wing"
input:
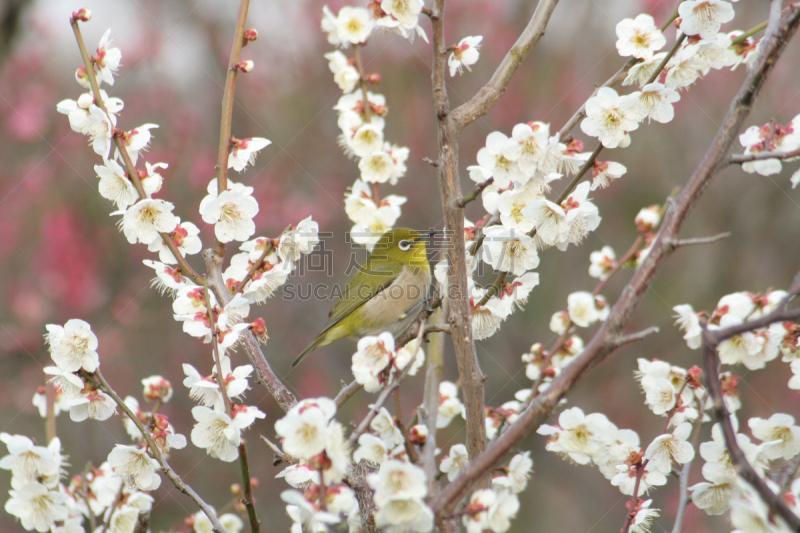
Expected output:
(361, 289)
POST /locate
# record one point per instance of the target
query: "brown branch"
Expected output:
(347, 392)
(475, 192)
(738, 159)
(266, 376)
(227, 108)
(358, 482)
(123, 150)
(679, 243)
(488, 95)
(267, 249)
(165, 467)
(450, 186)
(429, 410)
(598, 347)
(247, 500)
(776, 504)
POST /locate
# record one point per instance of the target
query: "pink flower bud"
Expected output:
(84, 14)
(374, 78)
(245, 66)
(250, 34)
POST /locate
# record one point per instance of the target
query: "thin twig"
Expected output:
(123, 150)
(679, 243)
(475, 192)
(738, 159)
(347, 392)
(227, 108)
(488, 95)
(165, 467)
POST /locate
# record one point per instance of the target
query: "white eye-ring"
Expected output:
(404, 245)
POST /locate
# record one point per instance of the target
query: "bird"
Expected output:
(386, 294)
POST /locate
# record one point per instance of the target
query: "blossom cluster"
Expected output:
(362, 113)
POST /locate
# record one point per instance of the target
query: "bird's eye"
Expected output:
(404, 245)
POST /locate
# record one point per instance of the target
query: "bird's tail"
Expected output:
(310, 348)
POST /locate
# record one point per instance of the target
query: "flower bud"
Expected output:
(374, 78)
(648, 219)
(418, 434)
(251, 34)
(245, 66)
(236, 489)
(85, 101)
(157, 388)
(84, 14)
(259, 329)
(82, 78)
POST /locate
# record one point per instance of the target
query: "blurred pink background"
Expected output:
(62, 257)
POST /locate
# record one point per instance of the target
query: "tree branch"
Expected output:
(450, 186)
(227, 108)
(488, 95)
(738, 159)
(266, 375)
(598, 347)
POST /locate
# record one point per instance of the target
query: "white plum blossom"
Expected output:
(345, 74)
(377, 167)
(704, 17)
(373, 355)
(370, 448)
(305, 428)
(244, 151)
(610, 117)
(144, 220)
(648, 218)
(96, 405)
(577, 435)
(779, 433)
(169, 279)
(601, 262)
(642, 71)
(582, 216)
(626, 477)
(190, 308)
(519, 471)
(643, 517)
(353, 25)
(455, 462)
(232, 214)
(671, 447)
(73, 346)
(298, 475)
(684, 68)
(490, 510)
(464, 54)
(28, 462)
(37, 507)
(220, 435)
(137, 140)
(689, 323)
(300, 240)
(185, 236)
(115, 185)
(107, 60)
(582, 309)
(605, 171)
(639, 37)
(305, 515)
(449, 404)
(385, 426)
(509, 250)
(403, 17)
(511, 204)
(397, 480)
(368, 138)
(137, 469)
(498, 159)
(654, 102)
(714, 495)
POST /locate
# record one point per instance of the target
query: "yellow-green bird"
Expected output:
(386, 294)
